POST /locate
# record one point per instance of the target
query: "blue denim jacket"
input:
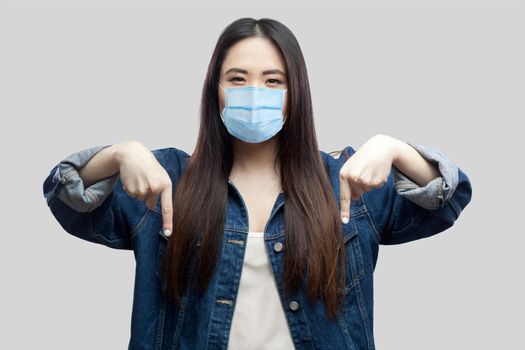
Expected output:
(400, 211)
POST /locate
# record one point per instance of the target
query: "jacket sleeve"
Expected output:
(403, 211)
(102, 213)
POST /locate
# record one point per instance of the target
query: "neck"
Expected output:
(256, 157)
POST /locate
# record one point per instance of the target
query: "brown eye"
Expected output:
(275, 81)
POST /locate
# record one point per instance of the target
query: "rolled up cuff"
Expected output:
(73, 192)
(434, 194)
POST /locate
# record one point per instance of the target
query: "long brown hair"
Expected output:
(312, 224)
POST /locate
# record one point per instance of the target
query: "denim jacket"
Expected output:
(400, 211)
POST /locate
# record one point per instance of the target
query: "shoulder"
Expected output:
(170, 153)
(334, 160)
(171, 158)
(339, 155)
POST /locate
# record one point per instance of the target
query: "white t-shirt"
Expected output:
(258, 321)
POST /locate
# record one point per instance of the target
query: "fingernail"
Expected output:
(167, 232)
(345, 220)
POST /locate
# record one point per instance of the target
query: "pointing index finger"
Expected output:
(344, 197)
(166, 205)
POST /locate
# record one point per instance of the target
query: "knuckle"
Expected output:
(349, 175)
(379, 184)
(154, 187)
(355, 177)
(166, 181)
(346, 170)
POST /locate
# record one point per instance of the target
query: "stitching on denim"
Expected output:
(453, 206)
(441, 192)
(68, 174)
(156, 211)
(364, 314)
(357, 253)
(135, 229)
(120, 241)
(305, 323)
(91, 197)
(404, 184)
(414, 219)
(160, 326)
(355, 281)
(345, 329)
(378, 236)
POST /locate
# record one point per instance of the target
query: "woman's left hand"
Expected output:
(366, 169)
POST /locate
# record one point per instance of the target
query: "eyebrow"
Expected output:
(243, 71)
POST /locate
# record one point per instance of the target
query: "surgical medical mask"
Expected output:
(253, 114)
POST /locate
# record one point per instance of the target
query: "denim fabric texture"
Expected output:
(74, 194)
(399, 212)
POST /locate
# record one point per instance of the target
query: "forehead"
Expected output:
(254, 54)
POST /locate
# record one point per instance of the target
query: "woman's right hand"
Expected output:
(144, 178)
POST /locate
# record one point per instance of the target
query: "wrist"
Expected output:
(397, 148)
(117, 152)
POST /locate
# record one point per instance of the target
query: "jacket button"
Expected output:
(278, 246)
(294, 305)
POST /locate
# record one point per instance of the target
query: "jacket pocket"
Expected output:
(355, 269)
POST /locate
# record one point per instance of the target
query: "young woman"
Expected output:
(258, 239)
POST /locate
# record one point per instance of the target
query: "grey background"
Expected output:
(450, 74)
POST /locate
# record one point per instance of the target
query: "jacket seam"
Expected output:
(454, 208)
(91, 196)
(96, 234)
(364, 313)
(378, 236)
(117, 240)
(411, 224)
(135, 228)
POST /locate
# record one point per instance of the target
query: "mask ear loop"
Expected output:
(220, 111)
(285, 91)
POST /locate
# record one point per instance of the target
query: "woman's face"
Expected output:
(253, 61)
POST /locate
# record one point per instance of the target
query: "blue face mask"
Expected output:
(253, 114)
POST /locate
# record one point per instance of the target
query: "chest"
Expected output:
(259, 196)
